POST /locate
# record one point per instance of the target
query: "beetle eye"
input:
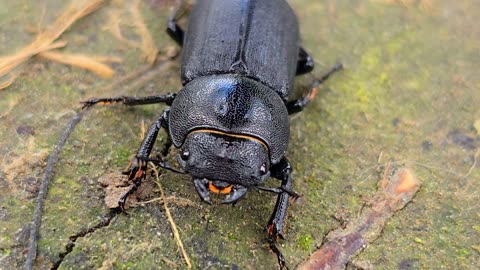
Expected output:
(184, 155)
(263, 168)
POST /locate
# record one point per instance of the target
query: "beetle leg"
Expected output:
(305, 63)
(137, 168)
(274, 229)
(123, 199)
(132, 101)
(173, 29)
(298, 105)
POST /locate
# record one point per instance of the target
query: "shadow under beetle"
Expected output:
(230, 119)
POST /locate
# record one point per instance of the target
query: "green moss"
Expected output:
(463, 252)
(306, 242)
(121, 156)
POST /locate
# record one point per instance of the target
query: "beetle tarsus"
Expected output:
(123, 199)
(281, 259)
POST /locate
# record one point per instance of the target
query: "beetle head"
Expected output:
(224, 163)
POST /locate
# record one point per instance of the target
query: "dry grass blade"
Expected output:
(45, 40)
(81, 61)
(8, 63)
(176, 234)
(147, 45)
(8, 82)
(114, 28)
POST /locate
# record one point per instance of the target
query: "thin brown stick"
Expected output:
(395, 190)
(176, 234)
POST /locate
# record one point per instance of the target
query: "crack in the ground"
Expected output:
(72, 239)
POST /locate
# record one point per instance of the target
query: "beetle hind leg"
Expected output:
(305, 63)
(298, 105)
(173, 29)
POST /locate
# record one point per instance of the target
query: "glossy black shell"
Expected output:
(255, 38)
(238, 65)
(233, 104)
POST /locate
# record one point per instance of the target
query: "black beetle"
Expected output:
(230, 120)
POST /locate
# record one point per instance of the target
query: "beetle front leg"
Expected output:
(282, 171)
(137, 167)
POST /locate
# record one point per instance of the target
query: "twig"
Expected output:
(395, 190)
(170, 219)
(52, 160)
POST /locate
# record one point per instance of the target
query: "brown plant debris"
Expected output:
(92, 64)
(45, 40)
(114, 28)
(17, 165)
(395, 190)
(116, 184)
(147, 45)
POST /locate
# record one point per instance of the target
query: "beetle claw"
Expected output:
(201, 186)
(238, 192)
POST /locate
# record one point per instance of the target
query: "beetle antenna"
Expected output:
(280, 190)
(164, 165)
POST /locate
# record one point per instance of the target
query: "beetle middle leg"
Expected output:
(298, 105)
(131, 101)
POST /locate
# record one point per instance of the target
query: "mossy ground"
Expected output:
(409, 93)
